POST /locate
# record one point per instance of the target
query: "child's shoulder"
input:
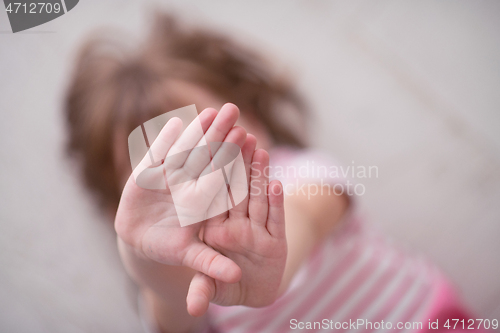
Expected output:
(288, 164)
(290, 155)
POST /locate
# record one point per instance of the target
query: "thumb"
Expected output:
(276, 214)
(201, 292)
(199, 256)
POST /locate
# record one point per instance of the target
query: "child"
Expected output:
(281, 260)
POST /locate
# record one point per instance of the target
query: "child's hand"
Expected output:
(147, 219)
(253, 235)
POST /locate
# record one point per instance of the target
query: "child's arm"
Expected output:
(248, 238)
(308, 220)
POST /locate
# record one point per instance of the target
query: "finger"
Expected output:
(192, 135)
(217, 132)
(276, 215)
(223, 123)
(248, 149)
(201, 292)
(258, 203)
(210, 185)
(236, 139)
(166, 138)
(204, 259)
(241, 210)
(206, 118)
(163, 142)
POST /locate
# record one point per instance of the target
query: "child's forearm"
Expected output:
(308, 221)
(164, 289)
(301, 238)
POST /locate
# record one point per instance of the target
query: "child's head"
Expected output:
(113, 91)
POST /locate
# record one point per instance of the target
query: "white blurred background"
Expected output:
(411, 87)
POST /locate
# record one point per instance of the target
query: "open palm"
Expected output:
(240, 253)
(148, 219)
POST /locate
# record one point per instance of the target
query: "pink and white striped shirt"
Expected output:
(354, 281)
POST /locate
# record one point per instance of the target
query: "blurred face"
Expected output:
(203, 99)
